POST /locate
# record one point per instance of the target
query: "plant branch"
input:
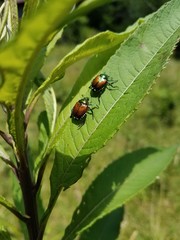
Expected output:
(7, 138)
(29, 197)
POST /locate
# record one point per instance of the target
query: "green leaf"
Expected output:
(33, 34)
(3, 21)
(8, 20)
(46, 123)
(117, 184)
(44, 133)
(135, 65)
(55, 37)
(4, 202)
(4, 234)
(51, 107)
(14, 21)
(16, 193)
(106, 228)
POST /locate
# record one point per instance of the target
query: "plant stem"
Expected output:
(29, 197)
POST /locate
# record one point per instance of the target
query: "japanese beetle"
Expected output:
(100, 83)
(80, 110)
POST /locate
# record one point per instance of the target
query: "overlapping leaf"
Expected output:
(106, 228)
(126, 177)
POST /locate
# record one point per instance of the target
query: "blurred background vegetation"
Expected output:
(115, 16)
(155, 213)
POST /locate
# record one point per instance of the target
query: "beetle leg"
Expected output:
(97, 107)
(112, 81)
(99, 99)
(82, 121)
(112, 86)
(90, 111)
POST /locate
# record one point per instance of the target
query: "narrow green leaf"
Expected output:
(46, 123)
(14, 21)
(106, 228)
(17, 194)
(8, 20)
(51, 107)
(44, 133)
(117, 184)
(3, 20)
(55, 37)
(4, 202)
(135, 65)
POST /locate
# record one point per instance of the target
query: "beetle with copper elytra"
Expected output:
(80, 110)
(101, 82)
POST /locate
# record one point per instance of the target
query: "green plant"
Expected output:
(134, 58)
